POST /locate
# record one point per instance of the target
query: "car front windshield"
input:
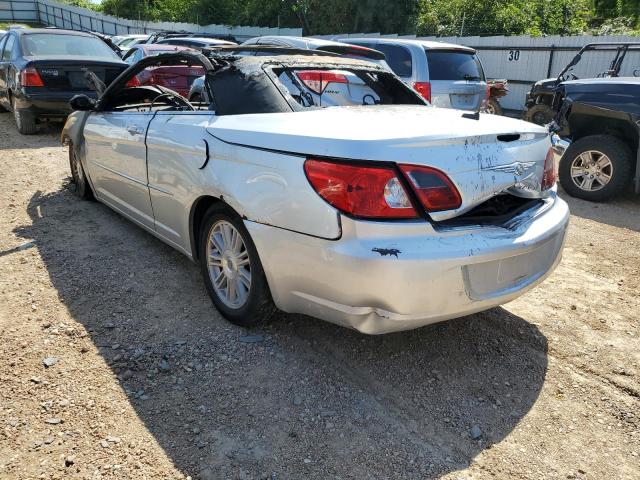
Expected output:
(152, 53)
(52, 44)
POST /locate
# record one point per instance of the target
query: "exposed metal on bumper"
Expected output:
(382, 277)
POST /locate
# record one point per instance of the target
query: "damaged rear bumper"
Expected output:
(382, 277)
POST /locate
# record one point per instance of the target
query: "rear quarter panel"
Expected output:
(261, 186)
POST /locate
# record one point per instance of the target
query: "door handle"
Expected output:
(134, 130)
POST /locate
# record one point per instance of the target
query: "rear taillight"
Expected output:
(434, 189)
(361, 191)
(317, 80)
(487, 96)
(367, 191)
(550, 173)
(29, 77)
(134, 82)
(424, 89)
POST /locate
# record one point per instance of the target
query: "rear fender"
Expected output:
(271, 188)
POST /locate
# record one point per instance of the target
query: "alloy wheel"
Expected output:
(228, 264)
(591, 170)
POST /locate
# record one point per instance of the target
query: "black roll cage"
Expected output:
(616, 64)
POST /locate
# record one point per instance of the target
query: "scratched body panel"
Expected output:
(470, 152)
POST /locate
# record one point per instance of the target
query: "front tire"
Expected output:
(232, 270)
(596, 168)
(83, 188)
(494, 107)
(540, 114)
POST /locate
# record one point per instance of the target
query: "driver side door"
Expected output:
(116, 155)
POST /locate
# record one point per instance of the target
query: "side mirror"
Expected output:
(82, 103)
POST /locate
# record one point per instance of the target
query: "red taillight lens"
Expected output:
(29, 77)
(361, 191)
(317, 80)
(550, 173)
(433, 187)
(134, 82)
(487, 96)
(424, 89)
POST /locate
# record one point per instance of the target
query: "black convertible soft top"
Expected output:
(249, 84)
(246, 86)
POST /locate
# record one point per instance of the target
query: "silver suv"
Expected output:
(447, 75)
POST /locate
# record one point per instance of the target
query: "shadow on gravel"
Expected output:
(297, 398)
(622, 212)
(48, 135)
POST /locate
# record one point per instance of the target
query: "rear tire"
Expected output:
(596, 168)
(25, 121)
(232, 270)
(83, 188)
(540, 114)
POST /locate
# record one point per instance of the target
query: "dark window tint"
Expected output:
(453, 65)
(398, 58)
(181, 43)
(52, 44)
(6, 53)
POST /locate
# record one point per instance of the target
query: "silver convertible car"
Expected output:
(384, 215)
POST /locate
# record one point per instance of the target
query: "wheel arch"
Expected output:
(198, 210)
(584, 123)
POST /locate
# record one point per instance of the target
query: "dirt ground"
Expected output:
(146, 381)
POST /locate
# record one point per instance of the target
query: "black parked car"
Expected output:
(600, 117)
(540, 105)
(41, 69)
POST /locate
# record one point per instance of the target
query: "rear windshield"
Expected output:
(345, 87)
(50, 44)
(453, 65)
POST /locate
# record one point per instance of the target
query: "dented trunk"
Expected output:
(483, 158)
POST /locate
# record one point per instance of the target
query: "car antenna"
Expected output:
(473, 116)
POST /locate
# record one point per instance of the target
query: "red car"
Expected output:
(178, 78)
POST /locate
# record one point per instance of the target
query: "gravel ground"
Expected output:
(114, 364)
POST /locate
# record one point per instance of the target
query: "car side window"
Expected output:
(8, 47)
(398, 58)
(134, 57)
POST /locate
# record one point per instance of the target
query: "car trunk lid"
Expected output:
(69, 75)
(483, 158)
(462, 95)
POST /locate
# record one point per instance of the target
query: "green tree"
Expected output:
(507, 17)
